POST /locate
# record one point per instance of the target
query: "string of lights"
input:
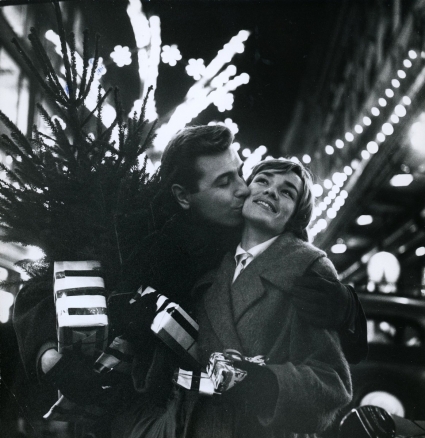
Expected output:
(336, 196)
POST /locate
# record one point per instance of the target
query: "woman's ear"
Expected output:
(181, 195)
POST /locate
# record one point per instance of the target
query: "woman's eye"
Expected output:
(287, 193)
(261, 181)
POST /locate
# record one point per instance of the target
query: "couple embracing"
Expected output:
(235, 254)
(272, 294)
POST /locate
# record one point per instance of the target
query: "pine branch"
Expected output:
(85, 66)
(46, 65)
(45, 116)
(73, 64)
(93, 69)
(97, 107)
(23, 142)
(36, 74)
(11, 174)
(64, 50)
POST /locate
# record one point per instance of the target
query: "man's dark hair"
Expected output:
(180, 155)
(301, 217)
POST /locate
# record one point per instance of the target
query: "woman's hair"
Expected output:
(301, 217)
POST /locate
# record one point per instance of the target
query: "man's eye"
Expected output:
(224, 182)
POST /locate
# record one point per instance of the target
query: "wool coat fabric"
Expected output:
(254, 315)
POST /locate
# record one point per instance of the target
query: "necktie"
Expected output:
(241, 264)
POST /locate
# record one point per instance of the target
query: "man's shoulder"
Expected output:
(205, 280)
(226, 266)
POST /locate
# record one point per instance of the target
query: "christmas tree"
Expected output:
(80, 192)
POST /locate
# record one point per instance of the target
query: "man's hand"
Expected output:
(324, 303)
(139, 316)
(49, 359)
(76, 379)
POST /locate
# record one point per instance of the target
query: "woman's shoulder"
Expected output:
(324, 268)
(315, 258)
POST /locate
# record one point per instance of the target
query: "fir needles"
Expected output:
(69, 191)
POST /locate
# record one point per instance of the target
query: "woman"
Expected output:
(248, 308)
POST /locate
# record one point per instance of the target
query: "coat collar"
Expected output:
(285, 259)
(285, 252)
(249, 286)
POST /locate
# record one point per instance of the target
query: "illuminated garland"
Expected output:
(336, 196)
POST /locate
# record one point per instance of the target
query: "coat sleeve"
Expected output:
(314, 383)
(354, 336)
(34, 321)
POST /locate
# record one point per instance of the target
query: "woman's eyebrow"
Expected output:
(288, 183)
(272, 174)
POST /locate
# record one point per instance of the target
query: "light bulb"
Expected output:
(329, 149)
(367, 121)
(389, 92)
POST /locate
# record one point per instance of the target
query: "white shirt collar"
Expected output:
(256, 250)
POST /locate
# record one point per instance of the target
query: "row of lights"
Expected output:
(399, 111)
(335, 197)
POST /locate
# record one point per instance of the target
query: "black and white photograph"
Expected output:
(212, 218)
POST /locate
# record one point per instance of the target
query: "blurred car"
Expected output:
(393, 376)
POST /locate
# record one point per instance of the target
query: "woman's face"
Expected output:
(273, 200)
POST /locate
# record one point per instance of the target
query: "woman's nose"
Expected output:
(271, 191)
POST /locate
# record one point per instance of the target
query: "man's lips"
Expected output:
(266, 204)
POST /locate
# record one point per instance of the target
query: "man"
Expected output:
(249, 307)
(198, 213)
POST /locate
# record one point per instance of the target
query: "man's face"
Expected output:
(221, 189)
(272, 201)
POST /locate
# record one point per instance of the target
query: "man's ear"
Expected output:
(182, 196)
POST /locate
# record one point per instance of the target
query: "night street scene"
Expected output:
(212, 218)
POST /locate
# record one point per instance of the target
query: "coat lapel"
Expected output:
(218, 305)
(284, 260)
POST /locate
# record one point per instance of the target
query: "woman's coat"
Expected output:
(255, 316)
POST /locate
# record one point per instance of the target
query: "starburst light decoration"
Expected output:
(196, 68)
(223, 100)
(121, 56)
(170, 55)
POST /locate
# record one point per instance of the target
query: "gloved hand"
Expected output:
(140, 313)
(323, 302)
(76, 379)
(259, 388)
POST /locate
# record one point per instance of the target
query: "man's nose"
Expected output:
(242, 190)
